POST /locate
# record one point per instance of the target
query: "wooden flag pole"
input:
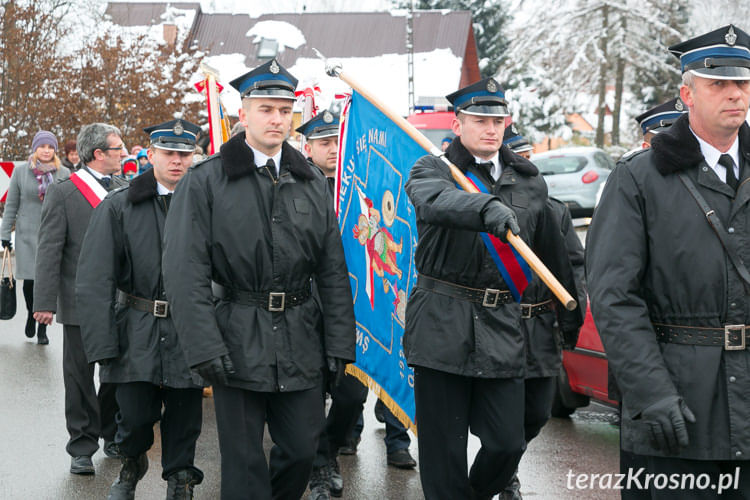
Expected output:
(521, 247)
(212, 96)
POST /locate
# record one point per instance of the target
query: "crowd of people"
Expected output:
(230, 272)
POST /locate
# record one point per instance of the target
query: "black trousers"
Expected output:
(448, 406)
(88, 415)
(347, 401)
(295, 420)
(538, 395)
(697, 489)
(180, 423)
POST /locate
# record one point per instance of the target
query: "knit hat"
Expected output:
(129, 164)
(43, 137)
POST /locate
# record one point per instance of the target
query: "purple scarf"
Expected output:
(43, 173)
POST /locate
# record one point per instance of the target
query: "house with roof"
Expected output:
(370, 46)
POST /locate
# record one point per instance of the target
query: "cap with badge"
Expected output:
(483, 98)
(661, 117)
(325, 124)
(515, 141)
(174, 135)
(270, 79)
(722, 54)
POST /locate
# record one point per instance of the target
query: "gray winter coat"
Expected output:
(652, 257)
(462, 337)
(65, 217)
(543, 337)
(24, 209)
(231, 223)
(122, 251)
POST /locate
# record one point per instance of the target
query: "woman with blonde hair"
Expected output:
(23, 208)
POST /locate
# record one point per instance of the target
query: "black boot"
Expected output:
(41, 335)
(180, 484)
(133, 470)
(30, 326)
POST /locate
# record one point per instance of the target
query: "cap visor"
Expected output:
(723, 73)
(174, 146)
(270, 94)
(485, 110)
(324, 134)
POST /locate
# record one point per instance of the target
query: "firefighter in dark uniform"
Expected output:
(122, 285)
(651, 122)
(516, 142)
(321, 145)
(544, 342)
(667, 281)
(248, 230)
(463, 334)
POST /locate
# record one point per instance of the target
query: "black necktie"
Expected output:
(104, 181)
(166, 199)
(271, 166)
(486, 166)
(727, 162)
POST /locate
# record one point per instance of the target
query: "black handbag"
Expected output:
(7, 288)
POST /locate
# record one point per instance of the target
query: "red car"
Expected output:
(583, 374)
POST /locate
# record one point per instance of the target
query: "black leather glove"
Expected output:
(569, 339)
(7, 244)
(216, 370)
(666, 419)
(336, 371)
(498, 218)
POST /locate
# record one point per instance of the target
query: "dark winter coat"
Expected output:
(122, 250)
(653, 258)
(231, 223)
(463, 337)
(543, 337)
(65, 217)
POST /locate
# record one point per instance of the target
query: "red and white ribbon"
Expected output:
(89, 187)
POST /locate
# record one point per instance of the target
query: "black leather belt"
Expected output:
(270, 301)
(530, 310)
(731, 337)
(488, 297)
(159, 308)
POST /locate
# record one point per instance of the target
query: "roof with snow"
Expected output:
(371, 46)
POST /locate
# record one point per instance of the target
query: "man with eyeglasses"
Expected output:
(65, 217)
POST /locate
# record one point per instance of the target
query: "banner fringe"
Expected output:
(356, 372)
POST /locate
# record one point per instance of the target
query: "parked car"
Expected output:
(583, 374)
(574, 176)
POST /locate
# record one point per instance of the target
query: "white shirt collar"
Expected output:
(96, 174)
(161, 189)
(712, 155)
(261, 158)
(496, 168)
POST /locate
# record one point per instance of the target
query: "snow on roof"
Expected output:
(436, 73)
(286, 34)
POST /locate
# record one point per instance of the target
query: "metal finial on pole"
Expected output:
(332, 69)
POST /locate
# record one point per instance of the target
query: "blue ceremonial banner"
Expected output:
(379, 232)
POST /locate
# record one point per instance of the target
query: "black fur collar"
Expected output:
(461, 158)
(237, 159)
(677, 149)
(143, 187)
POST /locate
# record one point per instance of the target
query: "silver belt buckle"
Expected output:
(526, 311)
(728, 345)
(161, 308)
(491, 296)
(272, 296)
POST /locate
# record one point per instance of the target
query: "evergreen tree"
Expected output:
(490, 19)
